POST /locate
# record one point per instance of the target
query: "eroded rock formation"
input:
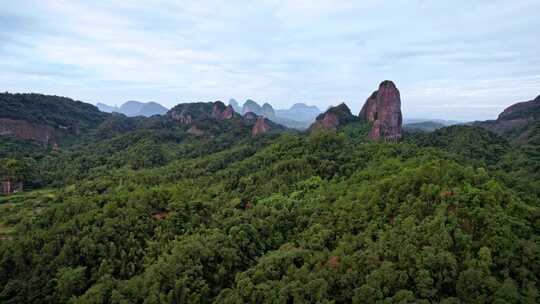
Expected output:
(25, 130)
(383, 110)
(220, 111)
(260, 127)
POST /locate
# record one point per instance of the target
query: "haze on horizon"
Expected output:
(462, 60)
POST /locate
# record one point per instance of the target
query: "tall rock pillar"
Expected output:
(383, 109)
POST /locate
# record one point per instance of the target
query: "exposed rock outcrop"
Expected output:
(329, 121)
(383, 110)
(333, 118)
(260, 127)
(220, 111)
(24, 130)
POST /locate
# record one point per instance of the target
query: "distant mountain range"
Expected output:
(444, 122)
(299, 116)
(134, 108)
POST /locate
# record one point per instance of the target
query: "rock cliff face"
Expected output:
(260, 127)
(25, 130)
(333, 118)
(383, 109)
(220, 111)
(329, 121)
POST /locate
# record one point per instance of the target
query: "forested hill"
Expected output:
(54, 111)
(519, 122)
(196, 207)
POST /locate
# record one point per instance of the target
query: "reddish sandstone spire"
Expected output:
(383, 109)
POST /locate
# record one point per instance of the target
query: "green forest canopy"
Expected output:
(146, 213)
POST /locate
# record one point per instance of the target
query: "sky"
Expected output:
(460, 59)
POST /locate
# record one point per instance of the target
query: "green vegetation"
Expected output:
(50, 110)
(145, 212)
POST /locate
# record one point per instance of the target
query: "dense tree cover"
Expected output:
(469, 142)
(155, 215)
(55, 111)
(12, 147)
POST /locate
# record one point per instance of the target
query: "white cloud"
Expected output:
(483, 54)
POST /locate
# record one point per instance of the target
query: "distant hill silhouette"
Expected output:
(300, 116)
(134, 108)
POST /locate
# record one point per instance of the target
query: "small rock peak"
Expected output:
(260, 127)
(221, 111)
(333, 118)
(383, 109)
